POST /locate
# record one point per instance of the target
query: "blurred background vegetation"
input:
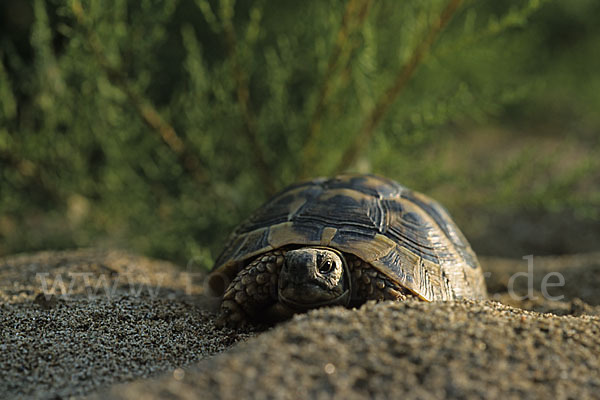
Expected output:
(158, 125)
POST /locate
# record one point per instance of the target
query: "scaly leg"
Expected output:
(252, 290)
(370, 284)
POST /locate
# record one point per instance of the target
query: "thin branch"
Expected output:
(514, 18)
(367, 130)
(355, 9)
(144, 108)
(249, 119)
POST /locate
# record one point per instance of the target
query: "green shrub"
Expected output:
(157, 125)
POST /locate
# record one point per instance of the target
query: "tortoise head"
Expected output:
(313, 277)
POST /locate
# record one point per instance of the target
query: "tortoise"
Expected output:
(342, 241)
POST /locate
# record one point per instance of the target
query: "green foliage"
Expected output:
(160, 125)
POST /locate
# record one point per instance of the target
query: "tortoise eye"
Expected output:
(326, 266)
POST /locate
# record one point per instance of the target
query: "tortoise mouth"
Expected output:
(308, 296)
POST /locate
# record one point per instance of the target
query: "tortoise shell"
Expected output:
(404, 234)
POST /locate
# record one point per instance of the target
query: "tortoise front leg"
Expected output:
(370, 284)
(252, 290)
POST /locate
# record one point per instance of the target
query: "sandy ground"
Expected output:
(123, 326)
